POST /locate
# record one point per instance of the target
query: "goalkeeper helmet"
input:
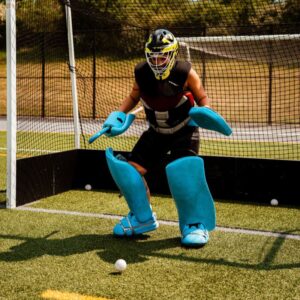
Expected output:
(161, 50)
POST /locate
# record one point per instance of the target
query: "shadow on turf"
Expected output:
(134, 250)
(2, 199)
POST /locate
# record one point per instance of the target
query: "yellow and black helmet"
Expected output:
(161, 50)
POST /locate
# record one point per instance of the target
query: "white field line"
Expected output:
(164, 222)
(33, 150)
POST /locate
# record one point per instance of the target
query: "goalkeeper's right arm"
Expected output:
(119, 121)
(131, 100)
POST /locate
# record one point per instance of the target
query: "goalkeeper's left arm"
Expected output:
(195, 86)
(204, 116)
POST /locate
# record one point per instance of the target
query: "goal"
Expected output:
(70, 63)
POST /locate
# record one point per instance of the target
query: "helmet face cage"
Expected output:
(161, 50)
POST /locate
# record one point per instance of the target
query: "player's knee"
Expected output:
(131, 184)
(180, 153)
(138, 167)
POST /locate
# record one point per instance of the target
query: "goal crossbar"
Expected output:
(241, 38)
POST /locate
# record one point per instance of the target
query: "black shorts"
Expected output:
(153, 147)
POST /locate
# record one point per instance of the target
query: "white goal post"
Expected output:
(11, 103)
(11, 75)
(72, 67)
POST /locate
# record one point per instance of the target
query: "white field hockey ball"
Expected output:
(120, 265)
(88, 187)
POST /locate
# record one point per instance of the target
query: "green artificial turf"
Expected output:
(40, 252)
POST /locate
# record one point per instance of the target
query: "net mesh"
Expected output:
(247, 55)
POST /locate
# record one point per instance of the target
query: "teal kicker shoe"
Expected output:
(129, 226)
(194, 235)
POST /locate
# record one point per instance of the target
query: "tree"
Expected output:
(2, 25)
(291, 12)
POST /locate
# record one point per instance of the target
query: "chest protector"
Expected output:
(166, 103)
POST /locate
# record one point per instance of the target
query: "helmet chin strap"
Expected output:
(163, 76)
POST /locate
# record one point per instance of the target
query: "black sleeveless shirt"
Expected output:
(166, 102)
(162, 95)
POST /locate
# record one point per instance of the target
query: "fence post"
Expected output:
(43, 74)
(270, 69)
(204, 62)
(94, 74)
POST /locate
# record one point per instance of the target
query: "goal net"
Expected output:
(75, 62)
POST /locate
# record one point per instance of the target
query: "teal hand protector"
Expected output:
(207, 118)
(116, 123)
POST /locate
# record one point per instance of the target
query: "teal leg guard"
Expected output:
(195, 206)
(140, 218)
